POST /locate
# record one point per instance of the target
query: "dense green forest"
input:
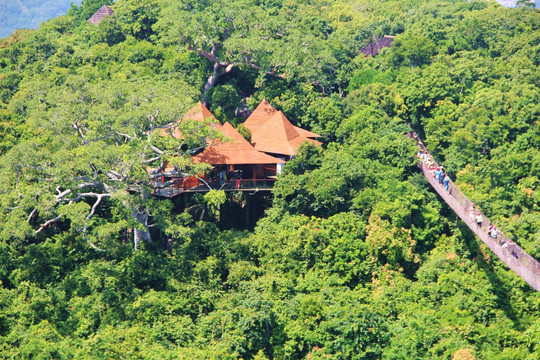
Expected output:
(354, 257)
(28, 14)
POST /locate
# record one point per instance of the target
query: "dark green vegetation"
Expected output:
(355, 259)
(28, 14)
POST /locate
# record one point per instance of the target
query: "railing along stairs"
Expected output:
(524, 265)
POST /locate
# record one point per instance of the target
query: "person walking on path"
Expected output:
(441, 175)
(493, 232)
(479, 220)
(446, 182)
(472, 211)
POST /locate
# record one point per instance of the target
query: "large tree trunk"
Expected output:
(138, 235)
(214, 78)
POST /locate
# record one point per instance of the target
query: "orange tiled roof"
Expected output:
(197, 113)
(103, 12)
(262, 112)
(278, 136)
(238, 151)
(306, 133)
(265, 111)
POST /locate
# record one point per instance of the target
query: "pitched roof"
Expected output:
(263, 112)
(278, 136)
(197, 113)
(236, 151)
(374, 47)
(101, 14)
(306, 133)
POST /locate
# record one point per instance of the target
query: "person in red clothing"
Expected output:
(238, 180)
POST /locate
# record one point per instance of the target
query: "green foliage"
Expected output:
(28, 14)
(214, 199)
(110, 31)
(224, 99)
(244, 131)
(369, 76)
(355, 258)
(138, 17)
(87, 8)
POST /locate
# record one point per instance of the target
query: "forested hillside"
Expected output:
(28, 14)
(354, 258)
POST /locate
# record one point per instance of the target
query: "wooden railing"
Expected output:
(229, 185)
(527, 267)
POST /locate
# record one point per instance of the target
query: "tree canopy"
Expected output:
(351, 257)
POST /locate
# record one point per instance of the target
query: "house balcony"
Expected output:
(194, 184)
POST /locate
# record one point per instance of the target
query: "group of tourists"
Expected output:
(476, 216)
(492, 230)
(226, 176)
(437, 172)
(441, 176)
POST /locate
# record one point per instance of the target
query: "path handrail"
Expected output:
(524, 265)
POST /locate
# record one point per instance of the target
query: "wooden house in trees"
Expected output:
(236, 165)
(273, 134)
(377, 44)
(234, 159)
(101, 14)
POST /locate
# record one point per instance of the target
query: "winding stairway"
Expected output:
(527, 267)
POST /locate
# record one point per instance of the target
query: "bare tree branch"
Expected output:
(31, 215)
(161, 167)
(160, 185)
(111, 135)
(90, 194)
(155, 149)
(93, 246)
(124, 135)
(174, 173)
(77, 127)
(204, 182)
(151, 160)
(96, 204)
(62, 194)
(47, 223)
(165, 173)
(273, 73)
(115, 176)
